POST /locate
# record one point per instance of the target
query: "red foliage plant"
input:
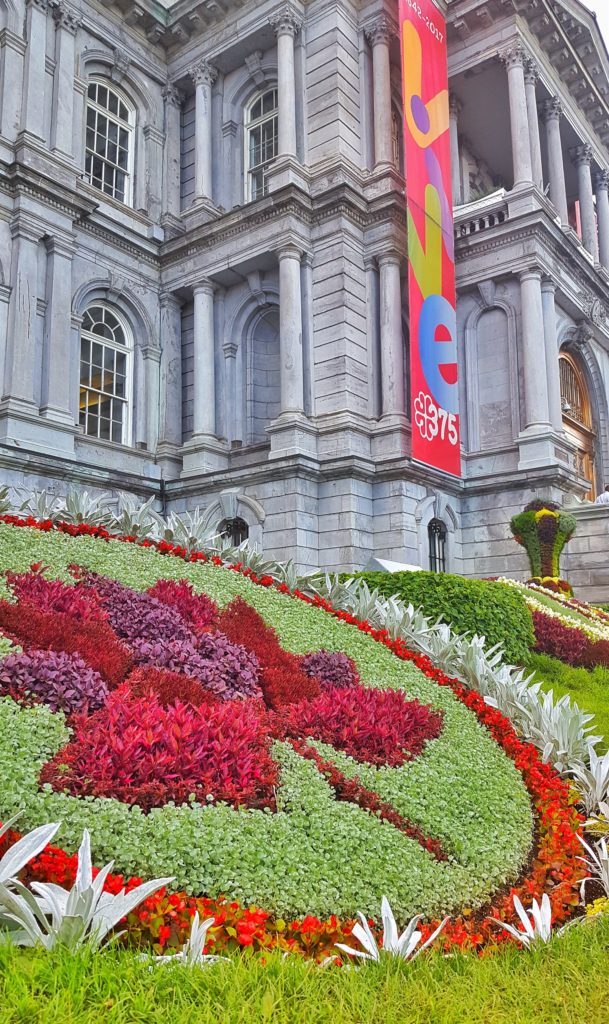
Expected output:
(197, 610)
(54, 596)
(282, 678)
(559, 641)
(139, 752)
(381, 727)
(95, 641)
(168, 687)
(595, 654)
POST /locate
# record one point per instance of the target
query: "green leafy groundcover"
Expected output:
(489, 609)
(316, 855)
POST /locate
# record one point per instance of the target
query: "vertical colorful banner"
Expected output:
(431, 253)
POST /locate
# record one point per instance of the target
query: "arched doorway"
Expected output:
(577, 418)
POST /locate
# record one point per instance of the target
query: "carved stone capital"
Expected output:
(203, 73)
(286, 21)
(454, 105)
(173, 96)
(550, 110)
(601, 181)
(381, 30)
(514, 56)
(42, 5)
(531, 71)
(581, 155)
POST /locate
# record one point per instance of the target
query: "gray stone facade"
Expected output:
(264, 317)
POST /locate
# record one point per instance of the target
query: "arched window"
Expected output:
(261, 141)
(109, 141)
(105, 356)
(577, 417)
(397, 139)
(436, 532)
(234, 530)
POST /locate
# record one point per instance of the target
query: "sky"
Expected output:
(601, 9)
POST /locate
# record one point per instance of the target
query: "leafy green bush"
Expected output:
(469, 606)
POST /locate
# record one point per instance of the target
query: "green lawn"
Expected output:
(590, 689)
(563, 983)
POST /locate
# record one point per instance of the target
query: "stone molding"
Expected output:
(380, 31)
(42, 5)
(581, 155)
(286, 21)
(550, 109)
(289, 251)
(65, 17)
(203, 73)
(121, 62)
(253, 64)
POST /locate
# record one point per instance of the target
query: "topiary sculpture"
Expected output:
(543, 529)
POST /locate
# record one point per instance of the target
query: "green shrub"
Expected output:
(469, 606)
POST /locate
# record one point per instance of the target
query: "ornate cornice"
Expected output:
(65, 17)
(286, 21)
(203, 73)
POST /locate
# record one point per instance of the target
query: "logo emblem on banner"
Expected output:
(431, 255)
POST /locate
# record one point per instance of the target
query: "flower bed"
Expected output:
(333, 841)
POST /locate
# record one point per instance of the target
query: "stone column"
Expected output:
(174, 100)
(551, 111)
(531, 77)
(152, 384)
(57, 379)
(21, 354)
(170, 431)
(13, 49)
(203, 75)
(392, 343)
(33, 109)
(550, 334)
(62, 124)
(379, 36)
(455, 108)
(287, 23)
(290, 330)
(582, 159)
(601, 188)
(534, 352)
(204, 389)
(514, 58)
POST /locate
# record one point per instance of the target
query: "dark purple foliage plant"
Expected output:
(62, 681)
(331, 668)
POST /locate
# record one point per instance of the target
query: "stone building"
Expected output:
(202, 269)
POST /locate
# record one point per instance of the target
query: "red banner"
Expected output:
(431, 256)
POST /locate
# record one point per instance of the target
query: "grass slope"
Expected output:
(560, 984)
(590, 689)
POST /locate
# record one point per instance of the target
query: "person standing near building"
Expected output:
(603, 499)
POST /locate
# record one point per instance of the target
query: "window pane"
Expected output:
(102, 95)
(117, 432)
(113, 103)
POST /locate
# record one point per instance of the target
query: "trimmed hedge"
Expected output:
(469, 606)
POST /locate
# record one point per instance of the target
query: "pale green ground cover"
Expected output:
(317, 855)
(565, 983)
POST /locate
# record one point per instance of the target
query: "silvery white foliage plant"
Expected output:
(560, 730)
(23, 851)
(51, 916)
(597, 862)
(402, 946)
(137, 520)
(593, 782)
(191, 954)
(6, 502)
(80, 507)
(192, 531)
(537, 923)
(41, 504)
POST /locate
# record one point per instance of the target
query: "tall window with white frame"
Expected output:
(105, 359)
(109, 141)
(261, 140)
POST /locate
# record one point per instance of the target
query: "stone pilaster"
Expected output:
(33, 109)
(170, 427)
(601, 188)
(454, 109)
(379, 34)
(392, 343)
(531, 77)
(12, 52)
(290, 331)
(551, 112)
(204, 361)
(550, 333)
(57, 378)
(174, 100)
(203, 75)
(514, 60)
(582, 159)
(62, 123)
(286, 23)
(21, 355)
